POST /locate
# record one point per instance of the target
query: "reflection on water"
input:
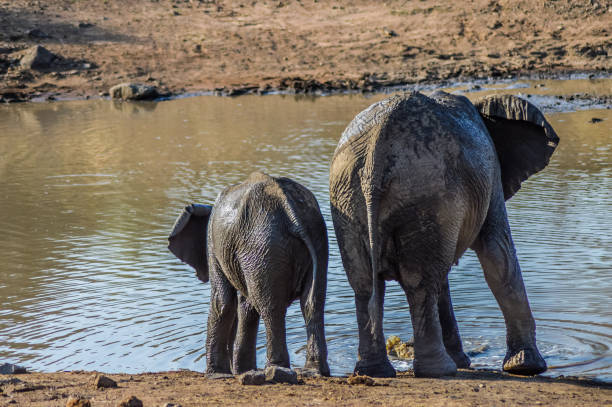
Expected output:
(89, 191)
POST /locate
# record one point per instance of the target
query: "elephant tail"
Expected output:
(375, 304)
(316, 276)
(319, 270)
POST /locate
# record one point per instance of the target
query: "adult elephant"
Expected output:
(414, 182)
(263, 244)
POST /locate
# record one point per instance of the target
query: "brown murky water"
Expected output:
(89, 191)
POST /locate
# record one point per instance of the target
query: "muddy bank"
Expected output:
(235, 47)
(187, 388)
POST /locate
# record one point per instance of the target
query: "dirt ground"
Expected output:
(187, 388)
(254, 46)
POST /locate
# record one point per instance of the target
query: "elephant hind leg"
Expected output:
(421, 280)
(246, 338)
(450, 330)
(316, 347)
(497, 256)
(221, 322)
(373, 360)
(276, 339)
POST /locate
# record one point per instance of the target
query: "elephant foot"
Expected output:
(380, 368)
(321, 367)
(243, 365)
(461, 359)
(438, 365)
(525, 362)
(217, 371)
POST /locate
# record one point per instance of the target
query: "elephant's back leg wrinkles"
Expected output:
(355, 252)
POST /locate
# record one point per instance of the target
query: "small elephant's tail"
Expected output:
(316, 275)
(319, 271)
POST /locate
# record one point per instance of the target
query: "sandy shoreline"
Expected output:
(188, 388)
(233, 47)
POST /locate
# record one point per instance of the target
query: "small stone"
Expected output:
(171, 405)
(358, 379)
(595, 120)
(131, 401)
(389, 33)
(479, 350)
(133, 91)
(278, 374)
(37, 57)
(253, 378)
(9, 368)
(103, 382)
(78, 402)
(36, 33)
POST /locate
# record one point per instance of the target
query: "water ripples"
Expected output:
(90, 193)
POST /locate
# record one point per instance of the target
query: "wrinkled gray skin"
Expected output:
(263, 245)
(415, 181)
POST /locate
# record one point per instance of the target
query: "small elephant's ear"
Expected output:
(187, 241)
(524, 140)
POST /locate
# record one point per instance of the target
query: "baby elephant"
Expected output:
(263, 244)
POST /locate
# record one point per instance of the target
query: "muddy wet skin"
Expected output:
(90, 190)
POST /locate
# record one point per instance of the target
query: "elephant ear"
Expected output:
(187, 241)
(524, 140)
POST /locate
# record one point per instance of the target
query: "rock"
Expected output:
(171, 405)
(36, 33)
(357, 379)
(78, 402)
(479, 350)
(103, 382)
(278, 374)
(252, 377)
(131, 401)
(133, 91)
(9, 368)
(389, 33)
(595, 120)
(37, 57)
